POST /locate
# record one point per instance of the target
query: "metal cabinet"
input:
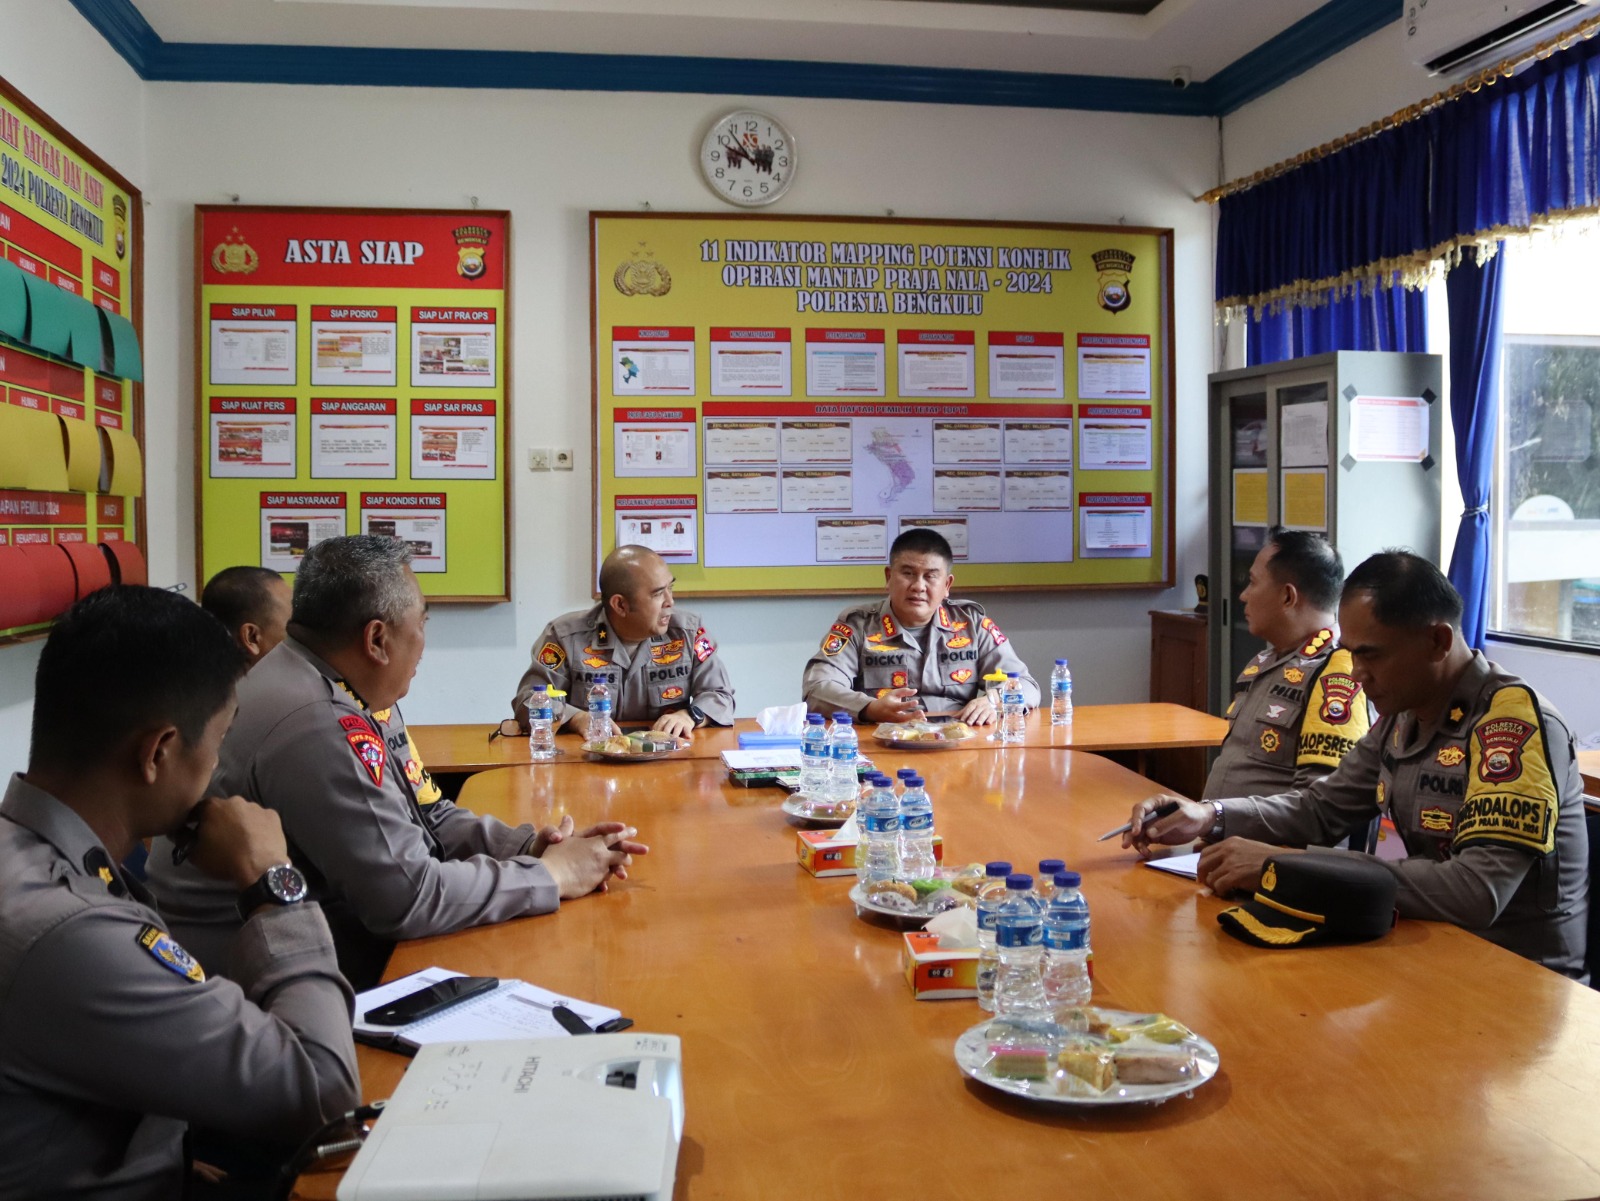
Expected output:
(1347, 444)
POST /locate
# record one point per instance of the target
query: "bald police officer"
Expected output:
(1474, 768)
(661, 665)
(916, 651)
(320, 739)
(112, 1039)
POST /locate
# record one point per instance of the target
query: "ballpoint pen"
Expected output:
(1156, 814)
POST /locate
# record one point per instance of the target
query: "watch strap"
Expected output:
(1215, 833)
(262, 893)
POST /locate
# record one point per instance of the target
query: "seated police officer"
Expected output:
(1296, 707)
(658, 660)
(319, 738)
(915, 651)
(253, 603)
(1475, 769)
(112, 1039)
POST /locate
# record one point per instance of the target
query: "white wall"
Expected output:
(550, 157)
(51, 55)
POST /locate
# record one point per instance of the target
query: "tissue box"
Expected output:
(938, 974)
(824, 853)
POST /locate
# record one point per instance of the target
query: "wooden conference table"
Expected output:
(452, 749)
(1589, 766)
(1429, 1063)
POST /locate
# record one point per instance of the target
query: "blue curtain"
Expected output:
(1474, 292)
(1392, 318)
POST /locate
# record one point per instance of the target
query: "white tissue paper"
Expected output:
(850, 832)
(782, 719)
(957, 928)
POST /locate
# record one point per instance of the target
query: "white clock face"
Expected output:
(748, 158)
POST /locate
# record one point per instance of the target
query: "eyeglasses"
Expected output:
(509, 728)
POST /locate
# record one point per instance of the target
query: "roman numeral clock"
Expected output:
(748, 158)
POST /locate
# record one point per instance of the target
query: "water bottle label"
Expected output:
(540, 715)
(1017, 935)
(916, 823)
(1062, 687)
(1066, 940)
(882, 825)
(600, 706)
(986, 918)
(844, 754)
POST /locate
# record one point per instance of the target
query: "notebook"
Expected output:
(515, 1009)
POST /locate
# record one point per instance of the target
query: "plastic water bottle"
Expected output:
(1061, 694)
(878, 851)
(842, 745)
(1044, 884)
(541, 724)
(1019, 939)
(815, 757)
(901, 776)
(1012, 710)
(916, 832)
(990, 894)
(1065, 964)
(601, 727)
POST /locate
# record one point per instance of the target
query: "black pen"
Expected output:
(1156, 814)
(570, 1021)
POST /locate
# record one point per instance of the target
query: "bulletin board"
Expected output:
(351, 374)
(775, 399)
(71, 405)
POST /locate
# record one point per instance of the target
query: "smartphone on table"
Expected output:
(426, 1002)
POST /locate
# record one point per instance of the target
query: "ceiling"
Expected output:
(1098, 54)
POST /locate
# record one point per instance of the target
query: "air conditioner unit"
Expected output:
(1448, 36)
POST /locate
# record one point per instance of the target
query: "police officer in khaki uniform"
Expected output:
(319, 739)
(253, 602)
(112, 1039)
(1475, 770)
(915, 651)
(661, 665)
(1296, 708)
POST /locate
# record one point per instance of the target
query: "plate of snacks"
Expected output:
(637, 747)
(1091, 1057)
(925, 735)
(818, 811)
(910, 903)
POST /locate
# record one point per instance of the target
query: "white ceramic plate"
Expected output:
(972, 1057)
(633, 756)
(796, 808)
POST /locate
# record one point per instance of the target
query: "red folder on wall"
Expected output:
(127, 562)
(19, 589)
(89, 568)
(58, 583)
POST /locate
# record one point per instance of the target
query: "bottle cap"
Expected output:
(1011, 675)
(838, 715)
(843, 719)
(1049, 867)
(905, 773)
(1061, 662)
(1019, 882)
(814, 719)
(1068, 879)
(541, 688)
(914, 781)
(997, 868)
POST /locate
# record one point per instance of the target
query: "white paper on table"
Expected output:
(1187, 866)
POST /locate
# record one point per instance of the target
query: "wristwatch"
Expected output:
(282, 884)
(1215, 833)
(698, 714)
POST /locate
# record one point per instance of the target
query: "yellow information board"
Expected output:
(351, 377)
(776, 399)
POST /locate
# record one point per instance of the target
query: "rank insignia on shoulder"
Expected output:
(944, 618)
(1314, 645)
(1252, 670)
(170, 955)
(552, 655)
(369, 750)
(889, 628)
(961, 675)
(1450, 756)
(1457, 713)
(98, 864)
(1294, 675)
(704, 648)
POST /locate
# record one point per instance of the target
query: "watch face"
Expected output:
(748, 158)
(286, 883)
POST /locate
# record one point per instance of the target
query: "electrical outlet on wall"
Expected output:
(563, 458)
(538, 458)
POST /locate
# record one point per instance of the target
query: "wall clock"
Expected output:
(748, 158)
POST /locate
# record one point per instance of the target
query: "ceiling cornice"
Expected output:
(1329, 29)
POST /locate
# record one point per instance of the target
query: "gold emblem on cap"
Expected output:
(642, 275)
(233, 255)
(1269, 878)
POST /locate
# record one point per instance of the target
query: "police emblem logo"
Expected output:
(994, 631)
(838, 635)
(1338, 692)
(1294, 675)
(958, 642)
(1500, 743)
(595, 661)
(552, 655)
(1115, 268)
(1450, 756)
(961, 675)
(897, 680)
(656, 656)
(369, 750)
(170, 955)
(1270, 741)
(667, 652)
(414, 772)
(1269, 878)
(1436, 821)
(671, 694)
(642, 275)
(704, 648)
(471, 242)
(231, 256)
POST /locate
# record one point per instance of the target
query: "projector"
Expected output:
(542, 1119)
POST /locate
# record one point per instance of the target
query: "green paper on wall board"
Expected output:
(49, 316)
(13, 301)
(126, 360)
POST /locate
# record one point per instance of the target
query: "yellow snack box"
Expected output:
(936, 973)
(824, 853)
